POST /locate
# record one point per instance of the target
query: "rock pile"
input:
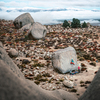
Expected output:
(35, 56)
(26, 22)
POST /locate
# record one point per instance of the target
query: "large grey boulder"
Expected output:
(61, 60)
(22, 20)
(37, 31)
(13, 87)
(93, 91)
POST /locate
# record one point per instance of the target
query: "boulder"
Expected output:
(37, 31)
(61, 60)
(22, 20)
(25, 61)
(26, 27)
(13, 87)
(68, 83)
(13, 53)
(8, 61)
(93, 91)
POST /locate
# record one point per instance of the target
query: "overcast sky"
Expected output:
(45, 11)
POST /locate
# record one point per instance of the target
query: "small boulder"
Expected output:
(37, 31)
(26, 27)
(13, 53)
(61, 60)
(97, 55)
(68, 83)
(25, 61)
(22, 20)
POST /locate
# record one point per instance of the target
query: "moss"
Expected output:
(38, 64)
(93, 63)
(38, 77)
(88, 46)
(57, 82)
(46, 75)
(83, 85)
(61, 80)
(47, 58)
(37, 82)
(83, 68)
(50, 81)
(87, 57)
(81, 59)
(23, 65)
(81, 82)
(73, 90)
(83, 65)
(87, 82)
(78, 56)
(53, 89)
(43, 79)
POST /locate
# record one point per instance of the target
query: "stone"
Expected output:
(12, 52)
(22, 20)
(25, 61)
(37, 31)
(61, 60)
(26, 27)
(97, 55)
(68, 83)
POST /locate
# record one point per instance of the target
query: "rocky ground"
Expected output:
(34, 57)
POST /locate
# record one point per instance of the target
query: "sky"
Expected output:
(49, 11)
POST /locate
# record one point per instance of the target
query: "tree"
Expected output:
(66, 24)
(84, 25)
(75, 23)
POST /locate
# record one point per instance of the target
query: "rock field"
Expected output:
(34, 57)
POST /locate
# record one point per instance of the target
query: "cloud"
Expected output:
(50, 16)
(13, 4)
(63, 3)
(52, 3)
(2, 4)
(46, 11)
(30, 9)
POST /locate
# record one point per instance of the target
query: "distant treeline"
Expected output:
(74, 24)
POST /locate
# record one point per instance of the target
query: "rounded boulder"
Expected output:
(37, 31)
(12, 53)
(23, 20)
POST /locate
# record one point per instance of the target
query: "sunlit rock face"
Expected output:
(37, 31)
(23, 20)
(62, 60)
